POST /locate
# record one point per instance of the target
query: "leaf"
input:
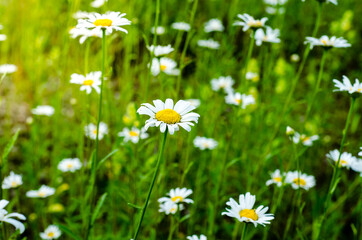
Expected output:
(10, 145)
(106, 157)
(232, 162)
(69, 232)
(98, 208)
(335, 185)
(134, 206)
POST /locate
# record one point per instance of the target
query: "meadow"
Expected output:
(194, 119)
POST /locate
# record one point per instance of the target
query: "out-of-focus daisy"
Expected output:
(195, 237)
(2, 37)
(81, 14)
(357, 166)
(224, 83)
(276, 178)
(9, 218)
(210, 43)
(165, 65)
(170, 207)
(133, 135)
(244, 212)
(91, 130)
(89, 81)
(109, 21)
(181, 26)
(252, 76)
(51, 232)
(12, 181)
(347, 86)
(346, 159)
(238, 99)
(360, 153)
(160, 50)
(290, 131)
(205, 143)
(44, 110)
(304, 139)
(327, 42)
(194, 102)
(303, 180)
(167, 115)
(43, 192)
(178, 195)
(213, 25)
(8, 68)
(248, 21)
(270, 35)
(327, 1)
(69, 165)
(98, 3)
(295, 57)
(275, 2)
(159, 31)
(85, 33)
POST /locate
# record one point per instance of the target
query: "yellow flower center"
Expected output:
(13, 184)
(248, 213)
(300, 182)
(95, 131)
(304, 139)
(255, 24)
(342, 162)
(133, 134)
(51, 234)
(174, 199)
(70, 165)
(168, 116)
(163, 67)
(41, 194)
(173, 209)
(324, 42)
(88, 82)
(277, 179)
(103, 22)
(238, 101)
(206, 145)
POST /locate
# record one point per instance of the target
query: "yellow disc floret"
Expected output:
(103, 22)
(300, 182)
(168, 116)
(88, 82)
(163, 67)
(174, 199)
(248, 213)
(133, 133)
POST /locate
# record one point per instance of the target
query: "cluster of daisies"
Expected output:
(297, 138)
(346, 160)
(293, 178)
(175, 200)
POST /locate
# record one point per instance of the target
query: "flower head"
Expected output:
(357, 166)
(301, 180)
(225, 83)
(12, 181)
(44, 110)
(160, 50)
(159, 31)
(276, 178)
(347, 86)
(327, 42)
(270, 35)
(178, 195)
(43, 192)
(213, 25)
(69, 165)
(8, 68)
(85, 33)
(204, 143)
(195, 237)
(98, 3)
(133, 135)
(194, 102)
(91, 131)
(51, 232)
(9, 218)
(253, 76)
(304, 139)
(181, 26)
(170, 207)
(248, 21)
(238, 99)
(209, 43)
(165, 65)
(87, 82)
(346, 159)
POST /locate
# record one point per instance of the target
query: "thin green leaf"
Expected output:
(98, 207)
(69, 232)
(106, 157)
(10, 145)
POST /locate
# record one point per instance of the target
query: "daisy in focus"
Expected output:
(347, 86)
(346, 160)
(195, 237)
(178, 195)
(213, 25)
(90, 81)
(270, 35)
(165, 65)
(244, 211)
(91, 130)
(12, 181)
(8, 68)
(181, 26)
(204, 143)
(170, 207)
(238, 99)
(276, 178)
(209, 43)
(9, 218)
(248, 21)
(69, 165)
(160, 50)
(51, 232)
(170, 116)
(224, 83)
(326, 42)
(133, 135)
(301, 180)
(43, 192)
(43, 110)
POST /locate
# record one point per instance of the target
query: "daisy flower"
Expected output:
(213, 25)
(210, 43)
(357, 166)
(252, 76)
(244, 212)
(91, 130)
(133, 135)
(159, 31)
(69, 165)
(205, 143)
(275, 2)
(225, 83)
(327, 1)
(9, 218)
(194, 102)
(12, 181)
(85, 33)
(195, 237)
(327, 42)
(109, 21)
(98, 3)
(305, 140)
(51, 232)
(2, 37)
(347, 86)
(178, 195)
(167, 115)
(276, 178)
(181, 26)
(8, 68)
(249, 22)
(269, 35)
(170, 207)
(238, 99)
(160, 50)
(303, 180)
(89, 81)
(43, 110)
(43, 192)
(346, 159)
(165, 65)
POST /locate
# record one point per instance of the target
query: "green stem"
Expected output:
(243, 233)
(159, 160)
(170, 233)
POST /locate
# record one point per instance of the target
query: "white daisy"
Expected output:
(160, 50)
(43, 192)
(209, 43)
(69, 165)
(170, 207)
(181, 26)
(213, 25)
(249, 22)
(205, 143)
(178, 195)
(328, 1)
(85, 33)
(290, 131)
(244, 212)
(305, 140)
(238, 99)
(303, 180)
(225, 83)
(2, 37)
(194, 102)
(276, 178)
(252, 76)
(159, 31)
(89, 81)
(91, 130)
(357, 166)
(346, 159)
(327, 42)
(8, 68)
(51, 232)
(98, 3)
(165, 65)
(9, 218)
(169, 115)
(43, 110)
(346, 85)
(133, 135)
(12, 181)
(109, 21)
(270, 35)
(275, 2)
(195, 237)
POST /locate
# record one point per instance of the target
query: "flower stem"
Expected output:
(159, 160)
(171, 228)
(248, 56)
(243, 233)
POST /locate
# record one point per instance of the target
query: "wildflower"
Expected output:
(347, 86)
(276, 178)
(249, 22)
(89, 81)
(44, 110)
(181, 26)
(165, 65)
(300, 180)
(195, 237)
(327, 1)
(178, 195)
(357, 166)
(51, 232)
(205, 143)
(12, 181)
(275, 2)
(346, 159)
(252, 76)
(224, 83)
(133, 135)
(295, 57)
(170, 207)
(210, 43)
(2, 37)
(91, 130)
(8, 68)
(43, 192)
(169, 115)
(160, 50)
(244, 211)
(85, 33)
(9, 218)
(327, 42)
(194, 102)
(238, 99)
(213, 25)
(98, 3)
(69, 165)
(270, 36)
(305, 140)
(159, 31)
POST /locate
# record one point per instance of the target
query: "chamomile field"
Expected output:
(194, 119)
